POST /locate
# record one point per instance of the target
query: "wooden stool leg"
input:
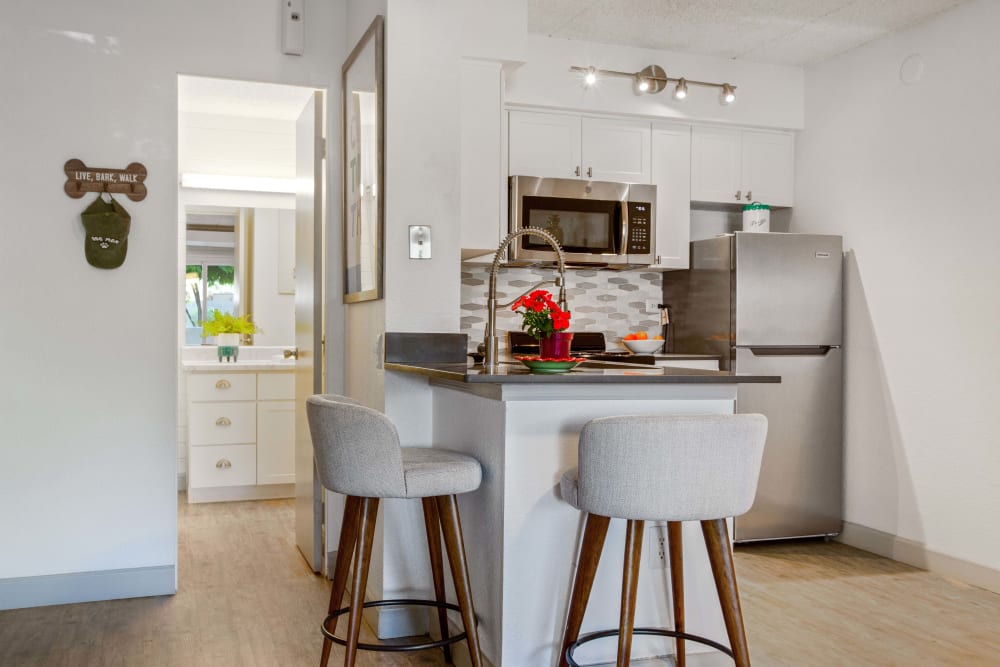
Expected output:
(362, 560)
(720, 555)
(594, 532)
(454, 544)
(676, 546)
(345, 549)
(432, 523)
(630, 586)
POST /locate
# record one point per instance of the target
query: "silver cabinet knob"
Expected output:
(577, 170)
(222, 464)
(749, 195)
(223, 421)
(590, 171)
(739, 193)
(223, 384)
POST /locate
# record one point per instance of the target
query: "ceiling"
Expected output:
(229, 97)
(784, 32)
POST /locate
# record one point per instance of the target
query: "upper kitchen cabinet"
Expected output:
(574, 146)
(671, 174)
(733, 166)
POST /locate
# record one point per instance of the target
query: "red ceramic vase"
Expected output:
(555, 346)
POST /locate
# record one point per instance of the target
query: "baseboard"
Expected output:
(73, 587)
(918, 555)
(223, 494)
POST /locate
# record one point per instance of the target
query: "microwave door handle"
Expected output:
(624, 238)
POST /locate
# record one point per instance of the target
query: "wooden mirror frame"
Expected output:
(355, 289)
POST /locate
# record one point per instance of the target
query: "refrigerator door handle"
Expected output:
(791, 350)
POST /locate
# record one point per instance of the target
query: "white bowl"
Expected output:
(643, 346)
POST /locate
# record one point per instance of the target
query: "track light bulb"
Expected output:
(728, 94)
(681, 91)
(640, 84)
(590, 78)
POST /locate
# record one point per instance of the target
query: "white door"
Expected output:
(715, 165)
(309, 319)
(671, 174)
(615, 149)
(544, 144)
(768, 167)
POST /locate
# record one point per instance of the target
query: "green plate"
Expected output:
(538, 365)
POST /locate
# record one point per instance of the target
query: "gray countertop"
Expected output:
(513, 372)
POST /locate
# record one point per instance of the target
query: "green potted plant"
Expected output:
(227, 329)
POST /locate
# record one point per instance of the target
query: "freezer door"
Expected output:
(800, 492)
(788, 289)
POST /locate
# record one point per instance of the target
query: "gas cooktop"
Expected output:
(586, 344)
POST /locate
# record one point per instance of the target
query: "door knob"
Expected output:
(290, 354)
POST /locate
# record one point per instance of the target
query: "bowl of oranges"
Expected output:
(641, 343)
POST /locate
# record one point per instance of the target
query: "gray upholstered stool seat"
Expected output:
(429, 471)
(671, 468)
(358, 454)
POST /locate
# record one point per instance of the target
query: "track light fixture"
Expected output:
(653, 79)
(681, 91)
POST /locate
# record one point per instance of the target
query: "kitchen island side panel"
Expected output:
(522, 539)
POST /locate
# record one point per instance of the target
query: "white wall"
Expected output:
(87, 462)
(908, 174)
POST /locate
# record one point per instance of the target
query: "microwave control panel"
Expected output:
(639, 226)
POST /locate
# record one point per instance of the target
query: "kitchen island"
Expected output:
(521, 538)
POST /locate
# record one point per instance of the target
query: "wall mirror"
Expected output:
(241, 261)
(363, 167)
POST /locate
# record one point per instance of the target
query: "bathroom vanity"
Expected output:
(240, 430)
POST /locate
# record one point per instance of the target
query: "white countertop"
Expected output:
(257, 365)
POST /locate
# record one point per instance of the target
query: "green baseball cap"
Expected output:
(106, 225)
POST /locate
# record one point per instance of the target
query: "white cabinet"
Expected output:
(574, 146)
(735, 166)
(241, 435)
(671, 174)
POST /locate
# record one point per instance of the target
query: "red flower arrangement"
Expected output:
(542, 315)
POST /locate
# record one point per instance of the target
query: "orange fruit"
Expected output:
(642, 335)
(657, 337)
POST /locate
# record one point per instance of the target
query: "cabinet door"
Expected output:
(483, 183)
(715, 165)
(768, 167)
(544, 144)
(275, 442)
(671, 174)
(615, 150)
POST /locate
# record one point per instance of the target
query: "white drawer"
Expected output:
(222, 423)
(222, 465)
(272, 386)
(222, 386)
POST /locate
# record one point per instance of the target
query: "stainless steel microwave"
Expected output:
(597, 223)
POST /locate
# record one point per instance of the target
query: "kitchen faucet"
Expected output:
(491, 343)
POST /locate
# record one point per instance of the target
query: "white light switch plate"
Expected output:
(292, 27)
(420, 242)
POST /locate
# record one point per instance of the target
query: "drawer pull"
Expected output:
(223, 384)
(223, 421)
(222, 464)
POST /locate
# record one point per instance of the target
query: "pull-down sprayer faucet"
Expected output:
(490, 339)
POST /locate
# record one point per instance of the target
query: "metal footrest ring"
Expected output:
(660, 632)
(396, 647)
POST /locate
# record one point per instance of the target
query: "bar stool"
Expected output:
(663, 468)
(358, 454)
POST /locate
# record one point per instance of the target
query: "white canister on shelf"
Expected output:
(756, 217)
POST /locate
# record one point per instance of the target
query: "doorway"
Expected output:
(250, 229)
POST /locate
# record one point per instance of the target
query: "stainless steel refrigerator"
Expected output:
(771, 304)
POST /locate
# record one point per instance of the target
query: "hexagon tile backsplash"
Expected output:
(612, 302)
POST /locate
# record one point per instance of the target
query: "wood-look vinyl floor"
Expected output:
(247, 598)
